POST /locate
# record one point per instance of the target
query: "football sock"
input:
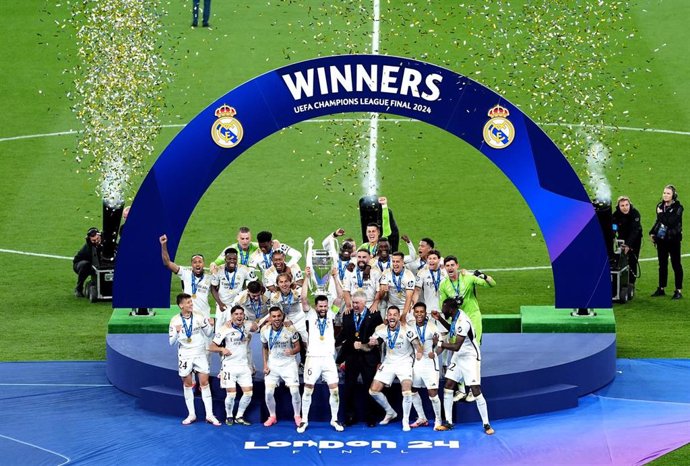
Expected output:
(206, 398)
(270, 400)
(380, 398)
(296, 400)
(334, 401)
(407, 406)
(481, 407)
(229, 403)
(436, 404)
(448, 404)
(244, 403)
(417, 403)
(189, 400)
(306, 403)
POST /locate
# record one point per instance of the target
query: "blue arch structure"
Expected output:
(364, 83)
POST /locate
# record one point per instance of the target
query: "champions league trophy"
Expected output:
(320, 262)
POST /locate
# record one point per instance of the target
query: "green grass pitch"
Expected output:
(299, 183)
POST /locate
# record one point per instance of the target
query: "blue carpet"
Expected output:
(57, 413)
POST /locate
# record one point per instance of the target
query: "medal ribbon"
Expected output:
(256, 306)
(272, 339)
(322, 326)
(244, 258)
(384, 265)
(452, 324)
(187, 330)
(195, 284)
(341, 268)
(423, 332)
(267, 259)
(227, 277)
(437, 279)
(239, 329)
(422, 263)
(359, 320)
(360, 278)
(391, 343)
(456, 288)
(398, 284)
(286, 301)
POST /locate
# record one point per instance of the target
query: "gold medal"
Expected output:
(193, 295)
(322, 337)
(189, 340)
(356, 334)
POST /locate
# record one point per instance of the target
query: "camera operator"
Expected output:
(627, 225)
(88, 256)
(667, 234)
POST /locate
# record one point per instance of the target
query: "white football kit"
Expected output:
(465, 365)
(198, 288)
(426, 371)
(191, 341)
(281, 366)
(235, 368)
(398, 353)
(320, 349)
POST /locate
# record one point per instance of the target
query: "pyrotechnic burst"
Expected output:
(119, 81)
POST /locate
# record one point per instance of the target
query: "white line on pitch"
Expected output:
(36, 446)
(382, 120)
(501, 269)
(35, 254)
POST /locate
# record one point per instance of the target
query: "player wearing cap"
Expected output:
(401, 347)
(190, 331)
(232, 341)
(280, 345)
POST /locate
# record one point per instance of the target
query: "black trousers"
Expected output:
(632, 266)
(354, 367)
(664, 250)
(83, 270)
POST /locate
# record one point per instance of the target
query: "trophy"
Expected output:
(320, 262)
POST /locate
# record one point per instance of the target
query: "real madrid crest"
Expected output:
(226, 131)
(498, 131)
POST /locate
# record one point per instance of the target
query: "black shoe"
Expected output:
(78, 292)
(350, 421)
(242, 421)
(195, 24)
(677, 295)
(205, 25)
(488, 430)
(658, 292)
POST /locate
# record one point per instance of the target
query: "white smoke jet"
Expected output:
(597, 160)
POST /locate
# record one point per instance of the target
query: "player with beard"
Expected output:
(382, 261)
(194, 281)
(280, 345)
(401, 348)
(254, 301)
(288, 299)
(320, 361)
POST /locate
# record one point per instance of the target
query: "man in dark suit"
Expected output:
(358, 326)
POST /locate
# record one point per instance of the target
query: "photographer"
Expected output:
(87, 257)
(627, 225)
(667, 234)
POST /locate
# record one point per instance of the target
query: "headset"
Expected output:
(93, 231)
(673, 190)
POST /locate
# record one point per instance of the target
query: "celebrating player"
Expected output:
(227, 282)
(401, 345)
(261, 258)
(463, 284)
(428, 282)
(194, 281)
(280, 345)
(279, 266)
(232, 341)
(465, 364)
(245, 247)
(190, 330)
(363, 278)
(397, 283)
(320, 362)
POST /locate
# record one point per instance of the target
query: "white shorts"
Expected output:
(187, 364)
(231, 376)
(466, 370)
(287, 373)
(387, 373)
(425, 373)
(317, 367)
